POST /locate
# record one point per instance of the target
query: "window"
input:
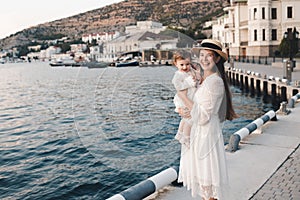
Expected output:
(254, 13)
(274, 34)
(274, 13)
(263, 34)
(289, 12)
(255, 35)
(263, 13)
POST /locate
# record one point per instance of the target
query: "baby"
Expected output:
(183, 80)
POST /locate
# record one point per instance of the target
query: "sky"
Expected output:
(16, 15)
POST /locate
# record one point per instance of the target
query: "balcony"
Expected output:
(245, 43)
(244, 23)
(229, 25)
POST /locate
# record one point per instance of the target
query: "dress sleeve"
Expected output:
(205, 105)
(183, 81)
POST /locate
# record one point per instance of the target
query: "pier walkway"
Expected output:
(268, 69)
(267, 165)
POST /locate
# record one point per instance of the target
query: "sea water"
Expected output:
(79, 133)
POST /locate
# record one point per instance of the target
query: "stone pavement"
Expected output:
(284, 183)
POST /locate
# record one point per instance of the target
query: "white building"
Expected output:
(96, 53)
(256, 27)
(35, 48)
(50, 51)
(143, 35)
(78, 48)
(138, 41)
(142, 26)
(100, 37)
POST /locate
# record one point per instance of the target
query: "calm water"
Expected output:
(78, 133)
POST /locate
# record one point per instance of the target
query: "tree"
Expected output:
(64, 47)
(294, 43)
(284, 47)
(94, 42)
(23, 50)
(289, 44)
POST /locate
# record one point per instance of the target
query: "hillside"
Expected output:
(185, 13)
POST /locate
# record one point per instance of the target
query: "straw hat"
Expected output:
(213, 45)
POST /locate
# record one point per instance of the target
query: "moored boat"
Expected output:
(127, 59)
(127, 63)
(2, 61)
(96, 64)
(56, 63)
(67, 62)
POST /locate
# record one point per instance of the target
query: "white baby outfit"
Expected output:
(183, 81)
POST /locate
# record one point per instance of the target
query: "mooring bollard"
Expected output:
(292, 100)
(283, 109)
(148, 186)
(243, 132)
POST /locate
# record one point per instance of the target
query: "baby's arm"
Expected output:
(187, 102)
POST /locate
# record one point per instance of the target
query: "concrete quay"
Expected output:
(264, 79)
(267, 165)
(268, 70)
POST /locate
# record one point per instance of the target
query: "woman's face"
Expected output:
(183, 65)
(208, 60)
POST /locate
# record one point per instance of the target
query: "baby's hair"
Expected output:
(177, 57)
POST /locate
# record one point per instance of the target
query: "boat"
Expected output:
(127, 59)
(56, 63)
(77, 64)
(96, 64)
(67, 62)
(2, 61)
(70, 62)
(127, 63)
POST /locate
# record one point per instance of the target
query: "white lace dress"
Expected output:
(203, 167)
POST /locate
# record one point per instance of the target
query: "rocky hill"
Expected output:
(189, 14)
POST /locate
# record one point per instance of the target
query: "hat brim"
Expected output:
(196, 51)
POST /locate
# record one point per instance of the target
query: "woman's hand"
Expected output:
(184, 112)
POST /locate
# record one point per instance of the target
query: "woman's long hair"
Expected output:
(230, 114)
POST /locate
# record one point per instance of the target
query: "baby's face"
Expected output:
(183, 65)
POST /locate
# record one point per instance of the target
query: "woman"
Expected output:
(205, 171)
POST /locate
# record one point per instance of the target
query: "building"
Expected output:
(34, 48)
(142, 26)
(50, 51)
(100, 37)
(256, 27)
(138, 41)
(142, 36)
(78, 48)
(96, 53)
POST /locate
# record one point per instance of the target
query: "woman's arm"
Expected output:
(212, 95)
